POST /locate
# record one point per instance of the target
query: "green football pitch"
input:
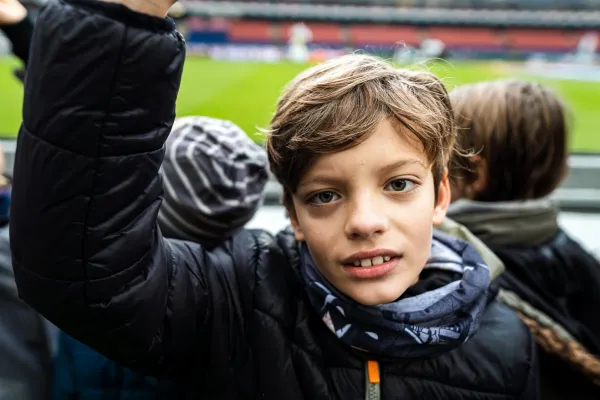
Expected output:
(246, 93)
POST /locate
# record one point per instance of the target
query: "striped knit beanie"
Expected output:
(214, 177)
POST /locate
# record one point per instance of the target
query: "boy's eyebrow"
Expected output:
(332, 181)
(402, 163)
(325, 180)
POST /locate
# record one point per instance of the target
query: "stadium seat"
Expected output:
(465, 37)
(365, 35)
(250, 31)
(323, 33)
(542, 39)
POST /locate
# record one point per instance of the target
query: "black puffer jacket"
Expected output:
(19, 35)
(562, 280)
(554, 284)
(233, 322)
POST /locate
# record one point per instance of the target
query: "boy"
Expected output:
(361, 300)
(520, 133)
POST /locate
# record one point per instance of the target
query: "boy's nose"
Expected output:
(366, 218)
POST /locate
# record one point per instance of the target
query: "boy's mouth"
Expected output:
(371, 264)
(369, 258)
(375, 269)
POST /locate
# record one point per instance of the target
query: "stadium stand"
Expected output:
(361, 35)
(458, 4)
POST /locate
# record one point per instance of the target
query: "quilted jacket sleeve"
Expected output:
(99, 104)
(19, 36)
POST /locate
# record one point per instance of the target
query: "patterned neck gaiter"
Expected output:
(427, 324)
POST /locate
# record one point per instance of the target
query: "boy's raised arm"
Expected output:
(99, 103)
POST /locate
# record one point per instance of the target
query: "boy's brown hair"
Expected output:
(337, 105)
(519, 131)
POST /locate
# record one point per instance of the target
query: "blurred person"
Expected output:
(16, 24)
(518, 133)
(27, 340)
(587, 49)
(360, 299)
(214, 177)
(299, 37)
(25, 347)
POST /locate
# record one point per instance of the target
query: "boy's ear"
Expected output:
(482, 172)
(477, 182)
(443, 199)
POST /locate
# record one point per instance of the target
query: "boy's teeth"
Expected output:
(368, 262)
(377, 260)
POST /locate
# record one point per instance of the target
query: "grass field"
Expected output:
(246, 93)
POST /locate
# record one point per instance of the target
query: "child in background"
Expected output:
(519, 131)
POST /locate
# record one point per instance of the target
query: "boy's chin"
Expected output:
(376, 293)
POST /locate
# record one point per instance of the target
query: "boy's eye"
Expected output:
(400, 185)
(323, 197)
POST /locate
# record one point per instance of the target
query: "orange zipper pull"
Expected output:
(373, 381)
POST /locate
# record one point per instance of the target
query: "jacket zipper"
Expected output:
(372, 381)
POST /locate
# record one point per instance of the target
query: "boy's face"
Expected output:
(372, 205)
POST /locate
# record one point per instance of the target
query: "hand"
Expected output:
(11, 12)
(156, 8)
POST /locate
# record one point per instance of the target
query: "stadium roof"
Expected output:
(566, 19)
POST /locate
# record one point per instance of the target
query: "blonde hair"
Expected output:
(519, 129)
(338, 104)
